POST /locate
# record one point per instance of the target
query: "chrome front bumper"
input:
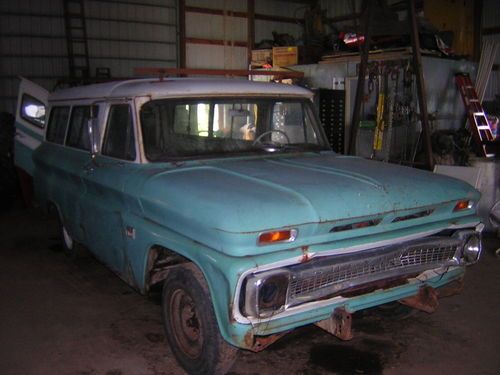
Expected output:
(342, 275)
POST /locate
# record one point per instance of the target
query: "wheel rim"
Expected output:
(185, 324)
(68, 241)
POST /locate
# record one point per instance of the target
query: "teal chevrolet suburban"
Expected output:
(227, 194)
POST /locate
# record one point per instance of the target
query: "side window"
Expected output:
(58, 123)
(78, 135)
(119, 140)
(33, 110)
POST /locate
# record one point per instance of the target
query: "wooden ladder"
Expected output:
(478, 123)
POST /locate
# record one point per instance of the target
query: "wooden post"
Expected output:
(478, 26)
(422, 98)
(250, 28)
(360, 89)
(182, 34)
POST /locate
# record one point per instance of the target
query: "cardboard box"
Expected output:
(261, 56)
(285, 56)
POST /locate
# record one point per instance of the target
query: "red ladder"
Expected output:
(478, 124)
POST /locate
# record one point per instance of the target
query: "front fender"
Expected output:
(221, 271)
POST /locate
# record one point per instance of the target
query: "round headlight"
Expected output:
(272, 294)
(472, 249)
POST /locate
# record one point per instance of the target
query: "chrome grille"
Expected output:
(348, 271)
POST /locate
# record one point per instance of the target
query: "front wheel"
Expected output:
(190, 323)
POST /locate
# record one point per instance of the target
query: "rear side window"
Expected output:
(119, 140)
(78, 134)
(58, 123)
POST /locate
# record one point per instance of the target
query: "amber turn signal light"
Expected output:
(288, 235)
(462, 205)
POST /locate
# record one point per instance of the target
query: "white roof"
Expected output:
(178, 87)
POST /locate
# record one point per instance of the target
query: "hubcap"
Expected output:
(68, 241)
(185, 323)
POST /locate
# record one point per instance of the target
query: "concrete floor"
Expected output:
(63, 316)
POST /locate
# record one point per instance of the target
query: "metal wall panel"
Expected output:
(491, 13)
(216, 27)
(234, 5)
(264, 29)
(123, 34)
(216, 57)
(206, 26)
(493, 86)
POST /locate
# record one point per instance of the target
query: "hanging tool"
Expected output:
(380, 121)
(478, 124)
(391, 103)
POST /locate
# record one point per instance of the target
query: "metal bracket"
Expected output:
(426, 300)
(339, 324)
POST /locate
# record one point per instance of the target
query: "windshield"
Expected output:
(174, 128)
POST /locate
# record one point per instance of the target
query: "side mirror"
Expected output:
(94, 136)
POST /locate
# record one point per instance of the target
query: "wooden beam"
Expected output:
(163, 72)
(346, 17)
(182, 33)
(422, 98)
(491, 30)
(250, 29)
(360, 89)
(215, 12)
(216, 42)
(263, 17)
(478, 26)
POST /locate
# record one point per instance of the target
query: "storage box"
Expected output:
(261, 56)
(285, 56)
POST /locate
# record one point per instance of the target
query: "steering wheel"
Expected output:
(257, 140)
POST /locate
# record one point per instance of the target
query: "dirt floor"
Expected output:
(64, 316)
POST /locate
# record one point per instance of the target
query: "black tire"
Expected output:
(190, 323)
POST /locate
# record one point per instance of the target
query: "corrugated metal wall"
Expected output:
(264, 29)
(216, 27)
(122, 34)
(491, 18)
(233, 29)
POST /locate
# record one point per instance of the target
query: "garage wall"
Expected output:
(228, 31)
(122, 34)
(491, 32)
(264, 28)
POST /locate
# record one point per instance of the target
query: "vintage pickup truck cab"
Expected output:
(227, 193)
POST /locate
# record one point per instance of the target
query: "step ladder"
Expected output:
(76, 40)
(478, 124)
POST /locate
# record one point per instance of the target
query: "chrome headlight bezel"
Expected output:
(470, 251)
(266, 293)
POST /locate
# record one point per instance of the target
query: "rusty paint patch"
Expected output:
(259, 343)
(305, 254)
(248, 339)
(426, 300)
(375, 285)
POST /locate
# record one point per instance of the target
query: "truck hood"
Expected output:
(211, 202)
